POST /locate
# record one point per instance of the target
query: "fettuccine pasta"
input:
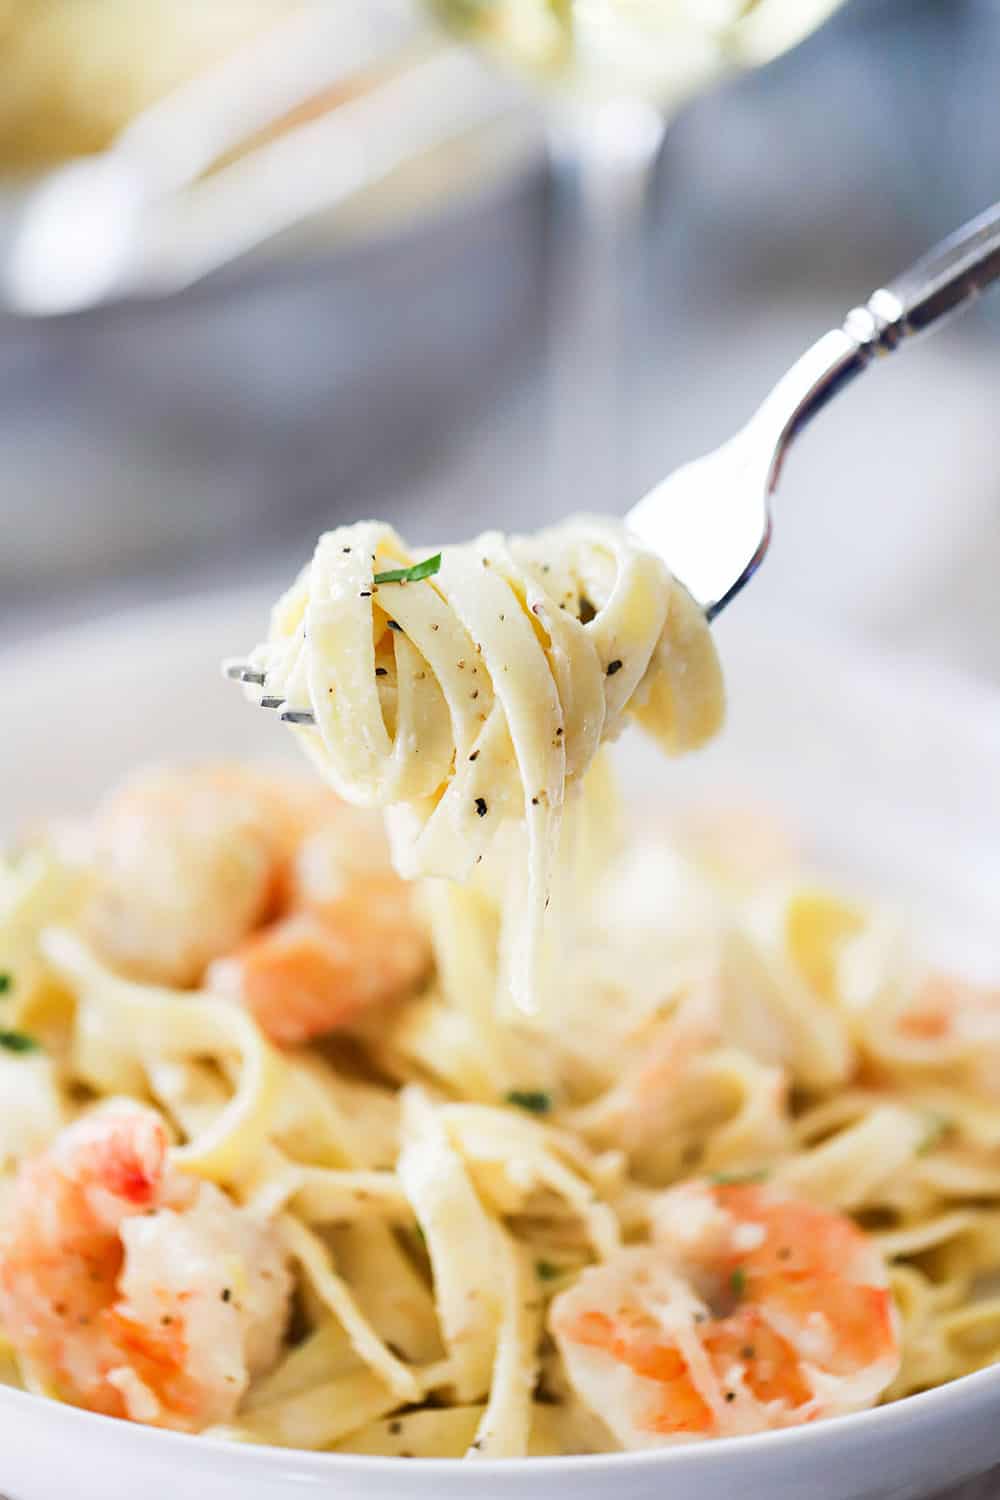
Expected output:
(471, 701)
(429, 1230)
(577, 1138)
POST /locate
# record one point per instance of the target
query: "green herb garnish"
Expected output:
(736, 1179)
(425, 569)
(738, 1281)
(6, 983)
(547, 1270)
(18, 1041)
(938, 1126)
(535, 1101)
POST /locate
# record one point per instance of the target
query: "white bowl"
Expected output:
(891, 772)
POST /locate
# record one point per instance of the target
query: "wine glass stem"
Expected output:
(602, 159)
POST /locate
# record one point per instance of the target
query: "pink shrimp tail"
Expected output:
(127, 1157)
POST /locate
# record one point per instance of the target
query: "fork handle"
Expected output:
(940, 284)
(937, 286)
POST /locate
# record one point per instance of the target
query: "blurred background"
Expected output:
(353, 312)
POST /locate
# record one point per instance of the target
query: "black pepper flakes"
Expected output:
(613, 667)
(474, 755)
(365, 594)
(227, 1294)
(381, 671)
(481, 807)
(396, 1427)
(393, 625)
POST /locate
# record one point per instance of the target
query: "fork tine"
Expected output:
(240, 671)
(269, 701)
(297, 716)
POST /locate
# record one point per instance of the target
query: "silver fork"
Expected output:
(710, 520)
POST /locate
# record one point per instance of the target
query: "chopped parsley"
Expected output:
(546, 1270)
(535, 1101)
(735, 1179)
(938, 1126)
(738, 1281)
(18, 1041)
(6, 983)
(425, 569)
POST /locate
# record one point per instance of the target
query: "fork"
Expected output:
(710, 520)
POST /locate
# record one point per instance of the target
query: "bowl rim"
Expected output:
(758, 1446)
(974, 705)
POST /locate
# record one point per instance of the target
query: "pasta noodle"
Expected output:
(471, 703)
(480, 1204)
(430, 1227)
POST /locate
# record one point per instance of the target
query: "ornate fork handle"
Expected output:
(939, 285)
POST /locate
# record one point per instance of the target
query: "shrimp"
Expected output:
(351, 941)
(946, 1026)
(134, 1290)
(751, 1310)
(188, 861)
(951, 1012)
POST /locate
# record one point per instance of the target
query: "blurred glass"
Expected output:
(76, 71)
(617, 72)
(391, 363)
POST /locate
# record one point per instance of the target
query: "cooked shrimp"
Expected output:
(750, 1311)
(950, 1011)
(352, 940)
(633, 1108)
(136, 1291)
(188, 861)
(946, 1025)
